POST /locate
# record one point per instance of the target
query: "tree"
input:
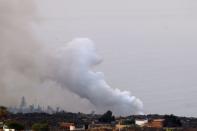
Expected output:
(14, 125)
(3, 112)
(107, 117)
(40, 127)
(172, 121)
(129, 122)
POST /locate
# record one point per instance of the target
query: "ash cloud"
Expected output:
(35, 70)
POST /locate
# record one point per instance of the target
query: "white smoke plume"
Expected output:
(31, 68)
(75, 63)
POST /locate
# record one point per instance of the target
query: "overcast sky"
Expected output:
(148, 46)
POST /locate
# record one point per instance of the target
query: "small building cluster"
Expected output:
(118, 124)
(151, 123)
(154, 123)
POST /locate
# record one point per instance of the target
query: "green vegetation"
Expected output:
(40, 127)
(169, 129)
(14, 125)
(107, 117)
(172, 121)
(129, 122)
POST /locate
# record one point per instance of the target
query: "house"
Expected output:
(156, 123)
(72, 126)
(141, 122)
(8, 129)
(67, 126)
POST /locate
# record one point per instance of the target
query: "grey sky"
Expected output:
(148, 46)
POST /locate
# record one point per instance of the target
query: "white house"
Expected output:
(77, 128)
(5, 128)
(8, 129)
(140, 122)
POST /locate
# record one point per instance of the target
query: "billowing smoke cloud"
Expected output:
(75, 63)
(39, 72)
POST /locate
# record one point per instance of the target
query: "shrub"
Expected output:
(40, 127)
